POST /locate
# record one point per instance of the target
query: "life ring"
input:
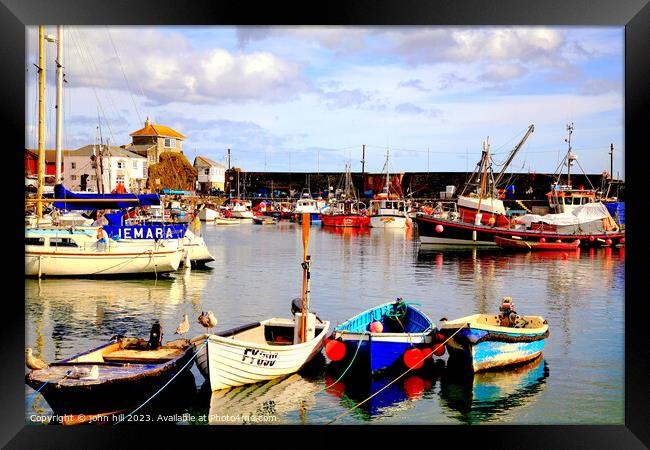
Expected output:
(100, 234)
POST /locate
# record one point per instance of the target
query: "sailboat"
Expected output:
(267, 349)
(88, 251)
(346, 209)
(388, 209)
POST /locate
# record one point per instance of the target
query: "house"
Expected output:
(152, 140)
(31, 162)
(211, 175)
(118, 165)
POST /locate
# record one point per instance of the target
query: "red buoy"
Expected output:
(426, 351)
(439, 349)
(608, 242)
(376, 327)
(592, 239)
(542, 240)
(414, 358)
(439, 228)
(622, 241)
(440, 337)
(414, 386)
(335, 350)
(565, 255)
(559, 241)
(577, 242)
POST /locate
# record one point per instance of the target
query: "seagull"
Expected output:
(34, 363)
(84, 373)
(184, 326)
(208, 320)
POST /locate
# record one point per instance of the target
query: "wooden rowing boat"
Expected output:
(481, 341)
(267, 349)
(402, 327)
(226, 221)
(527, 245)
(257, 351)
(127, 374)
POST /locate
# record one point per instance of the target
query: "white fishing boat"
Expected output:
(88, 252)
(241, 209)
(263, 350)
(388, 209)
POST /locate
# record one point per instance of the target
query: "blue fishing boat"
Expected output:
(487, 341)
(382, 337)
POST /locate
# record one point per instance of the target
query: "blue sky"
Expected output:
(308, 98)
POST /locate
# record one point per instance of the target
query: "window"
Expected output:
(152, 157)
(62, 242)
(121, 164)
(170, 143)
(73, 177)
(34, 241)
(206, 171)
(73, 165)
(135, 163)
(119, 179)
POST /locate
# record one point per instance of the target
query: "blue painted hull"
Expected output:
(167, 231)
(314, 217)
(379, 351)
(485, 351)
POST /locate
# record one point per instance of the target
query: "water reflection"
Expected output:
(492, 396)
(268, 402)
(383, 398)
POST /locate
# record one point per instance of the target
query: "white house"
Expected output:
(211, 174)
(119, 166)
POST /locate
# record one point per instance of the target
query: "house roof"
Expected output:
(202, 161)
(114, 151)
(50, 154)
(141, 148)
(151, 129)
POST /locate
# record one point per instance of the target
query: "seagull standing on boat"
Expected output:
(34, 363)
(184, 326)
(84, 373)
(208, 320)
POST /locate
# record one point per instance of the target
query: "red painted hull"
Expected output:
(345, 220)
(518, 244)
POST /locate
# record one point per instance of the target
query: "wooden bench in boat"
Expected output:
(159, 355)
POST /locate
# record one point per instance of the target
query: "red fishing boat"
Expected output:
(542, 244)
(347, 210)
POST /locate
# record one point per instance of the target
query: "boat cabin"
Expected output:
(563, 198)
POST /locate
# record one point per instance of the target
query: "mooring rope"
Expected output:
(349, 365)
(393, 381)
(43, 385)
(196, 352)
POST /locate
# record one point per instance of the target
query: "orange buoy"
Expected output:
(335, 350)
(376, 327)
(414, 358)
(439, 228)
(491, 220)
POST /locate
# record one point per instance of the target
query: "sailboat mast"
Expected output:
(41, 118)
(569, 155)
(59, 102)
(531, 128)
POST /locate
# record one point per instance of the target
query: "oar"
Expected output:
(305, 300)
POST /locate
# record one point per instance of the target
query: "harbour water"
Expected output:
(579, 380)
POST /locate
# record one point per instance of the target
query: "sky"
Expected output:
(309, 98)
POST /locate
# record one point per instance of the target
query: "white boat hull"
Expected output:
(227, 362)
(386, 221)
(122, 259)
(208, 215)
(242, 214)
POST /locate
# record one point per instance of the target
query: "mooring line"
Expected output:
(385, 387)
(196, 352)
(349, 365)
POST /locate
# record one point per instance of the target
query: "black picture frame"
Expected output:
(634, 15)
